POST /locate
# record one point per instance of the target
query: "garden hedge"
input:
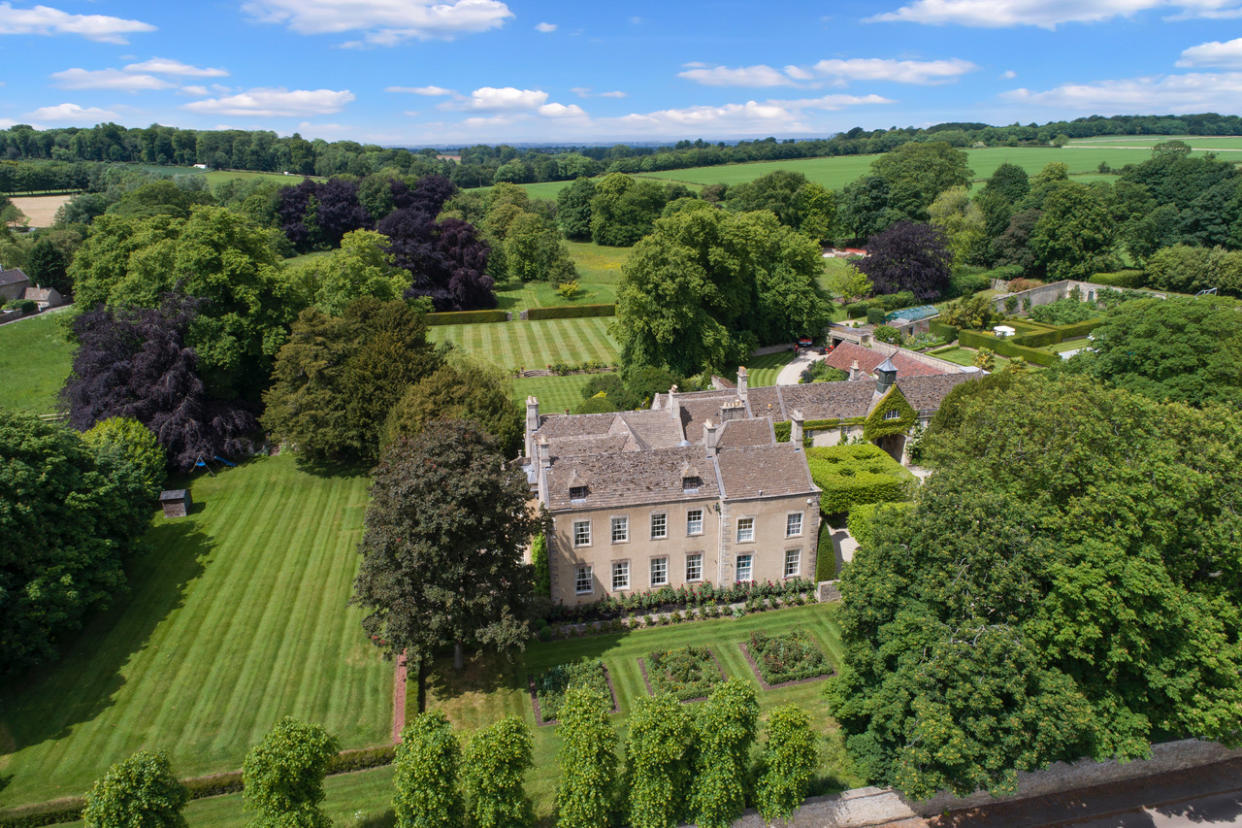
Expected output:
(946, 332)
(467, 317)
(875, 316)
(1121, 278)
(825, 554)
(862, 519)
(1004, 347)
(571, 311)
(1057, 333)
(857, 310)
(853, 474)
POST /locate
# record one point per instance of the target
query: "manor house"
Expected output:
(698, 488)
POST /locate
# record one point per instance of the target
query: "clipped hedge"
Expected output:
(875, 316)
(571, 311)
(946, 332)
(1121, 279)
(466, 317)
(1004, 347)
(1058, 333)
(52, 813)
(857, 310)
(825, 554)
(862, 519)
(853, 474)
(784, 427)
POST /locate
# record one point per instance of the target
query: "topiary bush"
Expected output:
(853, 474)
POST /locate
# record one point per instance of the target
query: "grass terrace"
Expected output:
(34, 361)
(237, 615)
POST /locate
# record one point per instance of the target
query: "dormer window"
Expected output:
(577, 492)
(691, 484)
(892, 414)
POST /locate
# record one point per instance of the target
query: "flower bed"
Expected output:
(685, 672)
(667, 599)
(789, 657)
(549, 688)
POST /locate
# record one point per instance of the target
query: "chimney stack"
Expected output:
(674, 403)
(532, 423)
(732, 410)
(709, 438)
(796, 423)
(543, 463)
(742, 377)
(854, 370)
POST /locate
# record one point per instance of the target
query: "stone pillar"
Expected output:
(742, 380)
(532, 423)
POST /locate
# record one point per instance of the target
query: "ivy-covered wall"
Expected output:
(878, 425)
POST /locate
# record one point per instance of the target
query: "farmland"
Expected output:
(40, 211)
(236, 616)
(34, 362)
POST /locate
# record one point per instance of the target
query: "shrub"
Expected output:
(1021, 284)
(787, 765)
(283, 774)
(967, 283)
(684, 672)
(550, 688)
(787, 657)
(466, 317)
(1121, 278)
(1065, 311)
(856, 474)
(568, 290)
(889, 334)
(726, 731)
(826, 554)
(862, 518)
(943, 330)
(856, 311)
(875, 316)
(571, 311)
(894, 301)
(140, 792)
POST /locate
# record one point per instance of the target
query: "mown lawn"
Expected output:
(762, 370)
(537, 344)
(966, 356)
(237, 616)
(34, 362)
(555, 393)
(599, 271)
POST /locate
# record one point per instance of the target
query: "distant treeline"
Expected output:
(483, 165)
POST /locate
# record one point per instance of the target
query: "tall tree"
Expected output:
(574, 209)
(624, 208)
(459, 391)
(1076, 231)
(283, 776)
(337, 378)
(359, 267)
(587, 759)
(46, 265)
(428, 761)
(726, 731)
(917, 172)
(788, 763)
(908, 256)
(496, 759)
(140, 792)
(442, 547)
(659, 753)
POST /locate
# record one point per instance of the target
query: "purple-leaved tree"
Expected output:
(908, 256)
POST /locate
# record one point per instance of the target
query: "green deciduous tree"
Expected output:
(47, 267)
(337, 377)
(573, 209)
(126, 446)
(707, 285)
(459, 391)
(963, 223)
(428, 792)
(659, 752)
(726, 730)
(1075, 233)
(917, 172)
(533, 250)
(788, 763)
(587, 759)
(283, 776)
(442, 547)
(496, 759)
(359, 267)
(1055, 593)
(623, 209)
(847, 284)
(140, 792)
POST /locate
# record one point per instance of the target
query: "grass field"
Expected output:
(40, 211)
(1205, 143)
(237, 616)
(762, 370)
(533, 344)
(34, 362)
(556, 394)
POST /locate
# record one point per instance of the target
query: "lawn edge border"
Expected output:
(642, 666)
(534, 698)
(754, 668)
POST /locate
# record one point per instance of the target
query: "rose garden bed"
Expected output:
(688, 673)
(548, 690)
(785, 659)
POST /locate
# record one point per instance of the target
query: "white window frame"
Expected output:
(578, 524)
(892, 414)
(749, 530)
(794, 557)
(661, 560)
(623, 523)
(789, 518)
(663, 516)
(697, 559)
(750, 568)
(690, 521)
(584, 572)
(620, 569)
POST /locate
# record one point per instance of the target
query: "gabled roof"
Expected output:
(778, 470)
(845, 354)
(926, 393)
(13, 277)
(750, 432)
(630, 478)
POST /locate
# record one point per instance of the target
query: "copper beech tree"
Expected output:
(442, 548)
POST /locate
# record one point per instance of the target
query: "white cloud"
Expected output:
(615, 93)
(750, 118)
(1214, 53)
(492, 99)
(1190, 92)
(45, 20)
(276, 103)
(430, 91)
(994, 14)
(835, 102)
(798, 73)
(197, 91)
(546, 28)
(1008, 74)
(760, 75)
(581, 91)
(556, 110)
(383, 22)
(585, 92)
(166, 66)
(72, 112)
(107, 79)
(922, 72)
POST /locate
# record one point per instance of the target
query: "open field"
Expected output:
(236, 616)
(556, 394)
(1205, 143)
(533, 344)
(34, 362)
(599, 271)
(40, 211)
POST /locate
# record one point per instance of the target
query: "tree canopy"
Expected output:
(140, 792)
(908, 256)
(1067, 585)
(459, 391)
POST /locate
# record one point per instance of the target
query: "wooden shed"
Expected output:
(176, 502)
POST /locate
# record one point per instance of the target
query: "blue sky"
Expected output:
(463, 71)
